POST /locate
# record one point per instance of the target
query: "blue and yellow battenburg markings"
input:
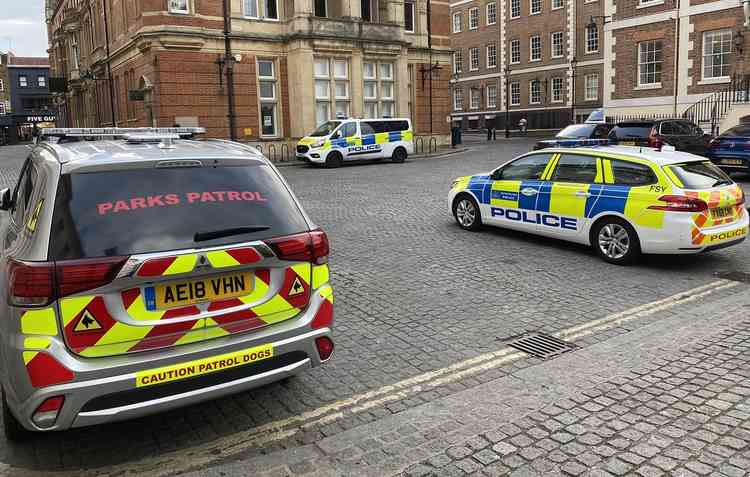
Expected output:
(366, 140)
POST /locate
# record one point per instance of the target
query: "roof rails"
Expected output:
(153, 133)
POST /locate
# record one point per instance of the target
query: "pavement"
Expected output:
(423, 380)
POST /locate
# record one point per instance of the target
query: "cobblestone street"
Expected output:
(422, 381)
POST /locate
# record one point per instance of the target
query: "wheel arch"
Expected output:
(609, 215)
(461, 194)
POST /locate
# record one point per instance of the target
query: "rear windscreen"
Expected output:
(151, 210)
(622, 131)
(700, 175)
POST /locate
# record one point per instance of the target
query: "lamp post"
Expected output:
(507, 99)
(573, 63)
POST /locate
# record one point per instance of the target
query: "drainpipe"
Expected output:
(429, 47)
(229, 65)
(676, 72)
(109, 66)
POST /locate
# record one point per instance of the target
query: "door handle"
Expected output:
(528, 191)
(582, 193)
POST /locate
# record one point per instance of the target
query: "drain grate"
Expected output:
(541, 345)
(742, 277)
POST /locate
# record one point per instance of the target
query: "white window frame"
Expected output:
(475, 104)
(257, 9)
(2, 86)
(516, 42)
(515, 5)
(539, 3)
(491, 64)
(592, 38)
(641, 62)
(492, 104)
(645, 3)
(560, 4)
(458, 100)
(531, 48)
(413, 4)
(586, 87)
(177, 11)
(474, 18)
(2, 107)
(494, 13)
(458, 61)
(23, 81)
(531, 92)
(41, 81)
(719, 33)
(515, 85)
(561, 90)
(562, 44)
(381, 83)
(457, 25)
(472, 57)
(274, 101)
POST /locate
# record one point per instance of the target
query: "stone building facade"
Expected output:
(541, 60)
(295, 63)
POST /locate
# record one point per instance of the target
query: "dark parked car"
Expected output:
(576, 131)
(683, 135)
(731, 150)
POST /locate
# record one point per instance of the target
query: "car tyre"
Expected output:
(399, 155)
(615, 241)
(333, 160)
(466, 212)
(14, 431)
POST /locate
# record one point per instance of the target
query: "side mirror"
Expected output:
(5, 201)
(336, 135)
(496, 175)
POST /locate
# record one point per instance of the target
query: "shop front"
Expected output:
(21, 129)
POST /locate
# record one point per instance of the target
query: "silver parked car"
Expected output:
(143, 270)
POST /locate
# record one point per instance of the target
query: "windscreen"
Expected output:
(576, 131)
(743, 130)
(700, 175)
(626, 130)
(151, 210)
(325, 129)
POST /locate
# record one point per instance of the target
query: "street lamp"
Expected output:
(507, 99)
(573, 63)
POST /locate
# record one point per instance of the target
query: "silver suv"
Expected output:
(143, 270)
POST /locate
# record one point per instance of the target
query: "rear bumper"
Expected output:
(104, 389)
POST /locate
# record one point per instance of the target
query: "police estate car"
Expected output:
(621, 200)
(142, 272)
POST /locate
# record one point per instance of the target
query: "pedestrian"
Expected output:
(522, 126)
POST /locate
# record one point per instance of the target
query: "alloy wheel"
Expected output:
(614, 241)
(466, 212)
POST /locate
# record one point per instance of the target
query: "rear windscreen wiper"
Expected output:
(215, 234)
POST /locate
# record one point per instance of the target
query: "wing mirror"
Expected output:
(5, 201)
(496, 175)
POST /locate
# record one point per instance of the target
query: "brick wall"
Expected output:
(440, 101)
(625, 78)
(731, 19)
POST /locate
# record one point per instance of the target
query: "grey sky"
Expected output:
(22, 27)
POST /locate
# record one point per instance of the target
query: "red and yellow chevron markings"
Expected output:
(164, 266)
(38, 328)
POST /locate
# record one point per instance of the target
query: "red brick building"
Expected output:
(294, 64)
(672, 52)
(541, 60)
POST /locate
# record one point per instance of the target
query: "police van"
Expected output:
(357, 139)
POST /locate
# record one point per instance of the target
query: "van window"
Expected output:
(349, 129)
(95, 213)
(388, 126)
(325, 129)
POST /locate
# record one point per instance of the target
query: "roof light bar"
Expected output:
(120, 132)
(583, 142)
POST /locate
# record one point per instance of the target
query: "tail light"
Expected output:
(305, 247)
(680, 203)
(40, 283)
(325, 347)
(653, 139)
(46, 414)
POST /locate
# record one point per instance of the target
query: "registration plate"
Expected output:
(734, 162)
(190, 292)
(721, 212)
(627, 143)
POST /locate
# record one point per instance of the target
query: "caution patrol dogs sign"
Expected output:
(202, 366)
